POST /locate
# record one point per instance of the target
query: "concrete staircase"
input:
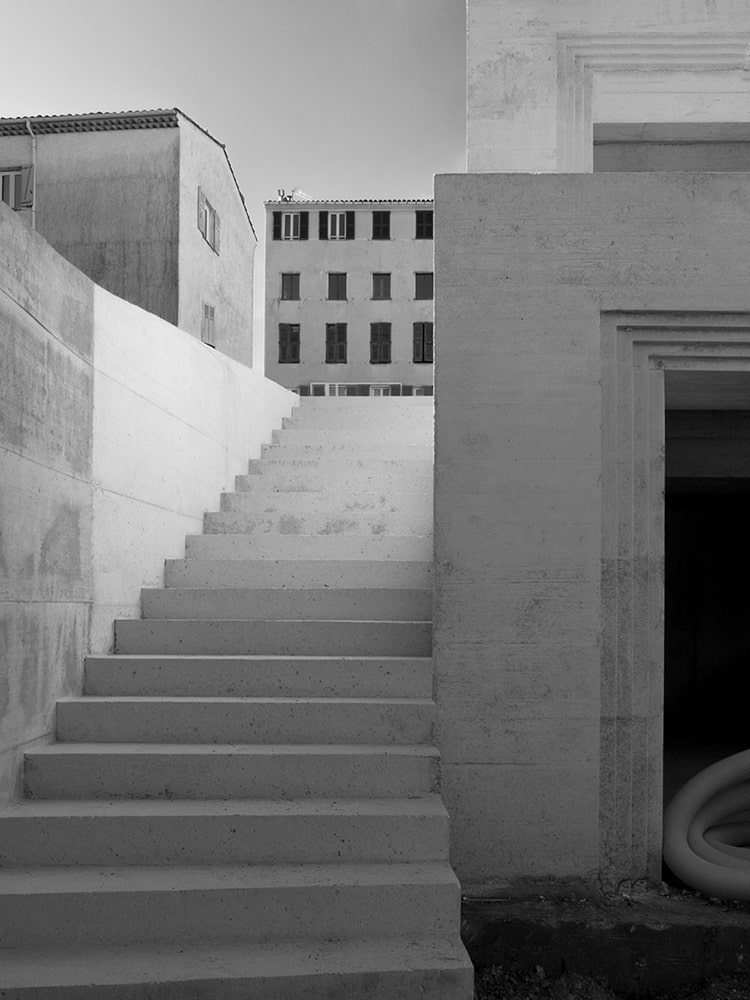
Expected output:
(245, 801)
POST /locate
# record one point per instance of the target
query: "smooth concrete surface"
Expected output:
(432, 969)
(232, 573)
(540, 75)
(574, 293)
(118, 430)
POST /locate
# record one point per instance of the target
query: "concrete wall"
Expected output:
(224, 279)
(107, 201)
(401, 256)
(541, 73)
(550, 740)
(117, 431)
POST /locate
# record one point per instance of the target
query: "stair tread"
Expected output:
(428, 804)
(248, 749)
(169, 878)
(142, 963)
(168, 699)
(259, 657)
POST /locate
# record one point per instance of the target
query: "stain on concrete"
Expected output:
(4, 668)
(290, 525)
(60, 553)
(337, 526)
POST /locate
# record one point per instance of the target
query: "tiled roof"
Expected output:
(97, 121)
(354, 201)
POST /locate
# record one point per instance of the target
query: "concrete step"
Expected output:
(333, 464)
(266, 903)
(363, 436)
(370, 969)
(383, 448)
(274, 637)
(298, 573)
(245, 720)
(310, 547)
(259, 676)
(218, 832)
(324, 523)
(323, 502)
(338, 478)
(211, 771)
(321, 604)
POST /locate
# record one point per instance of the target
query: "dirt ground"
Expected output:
(509, 984)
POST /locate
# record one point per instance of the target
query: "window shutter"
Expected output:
(350, 225)
(386, 348)
(202, 214)
(322, 225)
(27, 188)
(217, 236)
(417, 342)
(304, 225)
(429, 342)
(294, 342)
(277, 225)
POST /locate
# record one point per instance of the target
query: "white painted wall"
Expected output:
(540, 73)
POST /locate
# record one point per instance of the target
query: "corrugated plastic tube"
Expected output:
(706, 828)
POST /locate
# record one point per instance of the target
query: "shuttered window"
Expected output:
(424, 225)
(289, 343)
(336, 225)
(208, 222)
(290, 287)
(381, 225)
(337, 286)
(381, 285)
(208, 330)
(335, 343)
(423, 343)
(291, 225)
(17, 187)
(423, 285)
(380, 343)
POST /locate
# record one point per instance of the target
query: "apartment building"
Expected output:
(349, 296)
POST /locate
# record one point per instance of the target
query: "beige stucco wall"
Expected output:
(224, 280)
(540, 72)
(402, 256)
(117, 431)
(107, 201)
(550, 741)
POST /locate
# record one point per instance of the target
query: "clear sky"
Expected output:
(340, 98)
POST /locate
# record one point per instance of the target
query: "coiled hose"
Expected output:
(706, 828)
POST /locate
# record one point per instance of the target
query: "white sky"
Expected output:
(341, 98)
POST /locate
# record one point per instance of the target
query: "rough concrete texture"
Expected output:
(115, 430)
(241, 778)
(548, 695)
(540, 74)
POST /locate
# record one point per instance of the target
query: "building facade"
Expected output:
(349, 296)
(146, 204)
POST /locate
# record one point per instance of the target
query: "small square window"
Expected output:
(380, 343)
(288, 343)
(290, 287)
(337, 286)
(423, 285)
(424, 224)
(17, 187)
(335, 343)
(381, 225)
(381, 285)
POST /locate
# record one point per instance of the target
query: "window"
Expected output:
(423, 343)
(290, 287)
(208, 221)
(335, 343)
(380, 343)
(291, 225)
(381, 225)
(424, 225)
(381, 286)
(423, 285)
(17, 187)
(289, 343)
(336, 225)
(208, 334)
(337, 286)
